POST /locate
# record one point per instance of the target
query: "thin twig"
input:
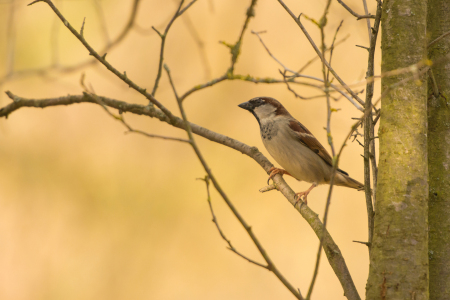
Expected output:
(358, 16)
(325, 74)
(102, 60)
(90, 93)
(283, 73)
(214, 219)
(236, 48)
(235, 51)
(296, 74)
(438, 39)
(270, 265)
(297, 20)
(268, 51)
(366, 11)
(369, 144)
(163, 36)
(73, 68)
(308, 63)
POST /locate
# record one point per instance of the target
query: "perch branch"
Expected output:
(332, 251)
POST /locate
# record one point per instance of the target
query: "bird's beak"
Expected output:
(246, 105)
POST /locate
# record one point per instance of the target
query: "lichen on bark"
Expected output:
(399, 261)
(438, 23)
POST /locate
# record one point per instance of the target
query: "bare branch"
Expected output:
(73, 68)
(105, 63)
(296, 74)
(270, 265)
(369, 144)
(438, 39)
(332, 251)
(214, 219)
(367, 20)
(308, 63)
(325, 74)
(358, 16)
(297, 20)
(163, 36)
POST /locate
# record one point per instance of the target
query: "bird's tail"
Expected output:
(344, 180)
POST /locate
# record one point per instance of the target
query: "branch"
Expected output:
(102, 59)
(438, 39)
(69, 69)
(235, 51)
(332, 251)
(163, 36)
(297, 20)
(214, 219)
(358, 16)
(270, 265)
(369, 143)
(296, 74)
(326, 76)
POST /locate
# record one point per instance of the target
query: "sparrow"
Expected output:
(294, 147)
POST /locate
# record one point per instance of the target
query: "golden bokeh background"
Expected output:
(88, 212)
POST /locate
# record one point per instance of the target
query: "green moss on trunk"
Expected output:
(439, 151)
(399, 261)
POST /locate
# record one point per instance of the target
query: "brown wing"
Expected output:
(307, 138)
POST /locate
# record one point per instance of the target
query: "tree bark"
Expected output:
(399, 261)
(438, 23)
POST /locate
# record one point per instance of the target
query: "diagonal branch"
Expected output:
(296, 74)
(68, 69)
(270, 265)
(358, 16)
(332, 251)
(322, 58)
(163, 37)
(235, 51)
(102, 59)
(222, 235)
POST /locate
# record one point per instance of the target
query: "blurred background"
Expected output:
(88, 212)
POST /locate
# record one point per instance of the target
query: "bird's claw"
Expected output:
(299, 196)
(274, 171)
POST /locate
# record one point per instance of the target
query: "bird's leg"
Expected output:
(304, 194)
(274, 171)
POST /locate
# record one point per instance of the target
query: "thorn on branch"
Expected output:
(104, 56)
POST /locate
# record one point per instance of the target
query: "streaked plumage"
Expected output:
(293, 146)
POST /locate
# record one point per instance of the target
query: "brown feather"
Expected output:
(307, 138)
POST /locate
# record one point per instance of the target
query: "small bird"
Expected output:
(294, 147)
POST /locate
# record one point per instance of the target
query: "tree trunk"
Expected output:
(399, 260)
(439, 150)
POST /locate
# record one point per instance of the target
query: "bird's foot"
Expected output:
(304, 194)
(274, 171)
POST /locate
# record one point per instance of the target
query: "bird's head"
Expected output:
(264, 108)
